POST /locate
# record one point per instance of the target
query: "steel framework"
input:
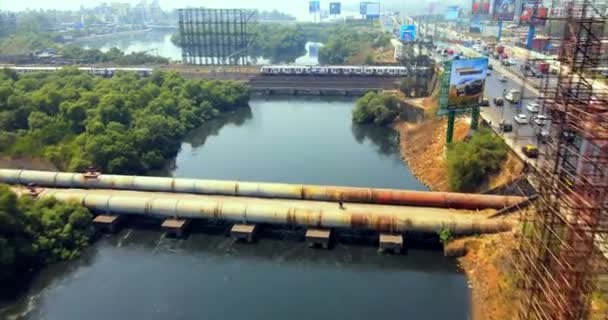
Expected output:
(216, 36)
(564, 241)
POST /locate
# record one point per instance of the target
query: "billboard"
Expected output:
(363, 8)
(373, 10)
(314, 6)
(407, 32)
(452, 12)
(335, 8)
(467, 82)
(504, 10)
(480, 7)
(528, 16)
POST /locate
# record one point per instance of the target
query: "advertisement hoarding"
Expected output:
(452, 12)
(335, 8)
(362, 8)
(480, 7)
(373, 10)
(407, 32)
(314, 6)
(529, 16)
(467, 82)
(504, 10)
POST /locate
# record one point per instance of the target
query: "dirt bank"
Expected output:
(26, 163)
(493, 279)
(423, 149)
(489, 269)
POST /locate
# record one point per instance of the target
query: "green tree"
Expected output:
(377, 108)
(469, 163)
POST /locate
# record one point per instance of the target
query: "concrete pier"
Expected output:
(174, 227)
(318, 238)
(107, 223)
(390, 243)
(243, 232)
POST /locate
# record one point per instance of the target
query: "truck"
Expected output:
(513, 96)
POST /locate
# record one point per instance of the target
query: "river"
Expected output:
(158, 42)
(138, 274)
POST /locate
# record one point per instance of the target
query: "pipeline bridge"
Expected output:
(318, 209)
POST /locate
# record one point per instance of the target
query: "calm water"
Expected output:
(158, 42)
(138, 274)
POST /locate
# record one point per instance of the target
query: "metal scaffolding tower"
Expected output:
(216, 36)
(564, 240)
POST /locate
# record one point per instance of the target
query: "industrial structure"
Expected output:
(561, 259)
(216, 36)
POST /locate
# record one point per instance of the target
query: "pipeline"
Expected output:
(315, 214)
(259, 190)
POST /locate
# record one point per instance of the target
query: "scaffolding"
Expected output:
(563, 247)
(216, 36)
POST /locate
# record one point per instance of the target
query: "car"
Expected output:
(490, 67)
(484, 102)
(530, 151)
(499, 102)
(469, 86)
(543, 136)
(521, 118)
(533, 107)
(505, 126)
(540, 120)
(503, 78)
(489, 73)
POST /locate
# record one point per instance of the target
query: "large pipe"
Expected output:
(315, 214)
(259, 190)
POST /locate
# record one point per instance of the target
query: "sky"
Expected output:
(298, 8)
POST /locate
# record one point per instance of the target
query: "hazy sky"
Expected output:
(298, 8)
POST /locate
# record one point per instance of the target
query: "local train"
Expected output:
(104, 72)
(341, 70)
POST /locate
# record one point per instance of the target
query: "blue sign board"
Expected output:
(407, 32)
(335, 8)
(452, 12)
(363, 8)
(314, 6)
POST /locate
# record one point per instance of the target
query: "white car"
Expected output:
(503, 78)
(533, 107)
(521, 118)
(540, 120)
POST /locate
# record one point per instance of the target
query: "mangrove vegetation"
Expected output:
(376, 108)
(126, 124)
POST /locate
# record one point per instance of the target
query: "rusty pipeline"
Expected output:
(316, 214)
(259, 190)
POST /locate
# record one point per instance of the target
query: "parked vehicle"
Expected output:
(505, 126)
(490, 67)
(521, 118)
(533, 107)
(540, 120)
(530, 151)
(543, 136)
(503, 78)
(499, 102)
(484, 102)
(513, 96)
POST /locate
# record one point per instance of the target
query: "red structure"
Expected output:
(563, 248)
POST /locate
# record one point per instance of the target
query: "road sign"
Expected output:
(335, 8)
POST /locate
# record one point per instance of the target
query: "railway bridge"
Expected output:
(319, 209)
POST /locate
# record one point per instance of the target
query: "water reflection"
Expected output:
(199, 136)
(386, 140)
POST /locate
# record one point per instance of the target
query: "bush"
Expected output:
(34, 233)
(470, 163)
(377, 108)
